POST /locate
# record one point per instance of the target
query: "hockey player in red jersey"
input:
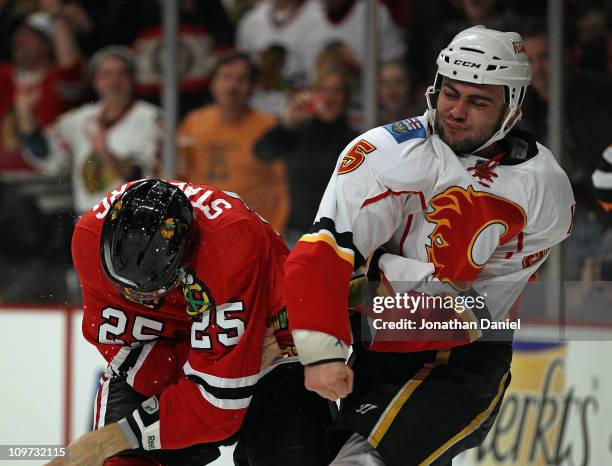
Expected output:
(181, 290)
(451, 204)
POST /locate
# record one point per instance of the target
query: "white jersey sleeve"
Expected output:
(362, 201)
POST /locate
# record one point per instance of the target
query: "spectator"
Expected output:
(12, 13)
(593, 52)
(342, 21)
(590, 300)
(587, 100)
(108, 142)
(46, 61)
(309, 142)
(204, 34)
(216, 143)
(282, 23)
(339, 55)
(490, 13)
(271, 93)
(337, 39)
(394, 92)
(402, 11)
(428, 19)
(55, 84)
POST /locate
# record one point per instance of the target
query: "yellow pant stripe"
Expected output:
(468, 316)
(471, 427)
(388, 416)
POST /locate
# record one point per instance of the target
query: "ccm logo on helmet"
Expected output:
(466, 63)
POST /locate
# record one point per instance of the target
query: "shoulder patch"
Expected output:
(355, 157)
(197, 295)
(404, 130)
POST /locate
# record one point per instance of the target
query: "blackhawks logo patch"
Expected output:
(197, 296)
(279, 321)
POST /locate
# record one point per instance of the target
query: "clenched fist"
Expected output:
(331, 380)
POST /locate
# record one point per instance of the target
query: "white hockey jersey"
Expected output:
(257, 31)
(136, 136)
(448, 223)
(350, 32)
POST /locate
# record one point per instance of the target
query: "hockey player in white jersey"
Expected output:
(453, 204)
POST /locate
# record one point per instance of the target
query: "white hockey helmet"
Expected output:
(485, 56)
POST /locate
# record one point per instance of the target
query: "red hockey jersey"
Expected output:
(201, 345)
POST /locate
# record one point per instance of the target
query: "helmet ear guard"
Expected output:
(145, 239)
(485, 56)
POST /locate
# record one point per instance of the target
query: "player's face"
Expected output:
(150, 298)
(468, 114)
(231, 87)
(113, 80)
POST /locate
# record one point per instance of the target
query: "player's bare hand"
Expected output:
(271, 350)
(85, 451)
(298, 108)
(93, 448)
(332, 380)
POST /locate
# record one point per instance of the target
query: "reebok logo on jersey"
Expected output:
(151, 442)
(364, 408)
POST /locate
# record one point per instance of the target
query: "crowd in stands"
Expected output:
(269, 94)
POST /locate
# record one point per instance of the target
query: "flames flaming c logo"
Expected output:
(469, 224)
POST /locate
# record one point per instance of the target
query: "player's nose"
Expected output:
(459, 110)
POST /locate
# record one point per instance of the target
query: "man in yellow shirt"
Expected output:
(216, 143)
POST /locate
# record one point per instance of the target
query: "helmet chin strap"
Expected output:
(431, 114)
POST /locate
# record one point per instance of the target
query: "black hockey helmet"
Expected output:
(145, 239)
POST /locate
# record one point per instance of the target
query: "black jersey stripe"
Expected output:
(237, 393)
(344, 239)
